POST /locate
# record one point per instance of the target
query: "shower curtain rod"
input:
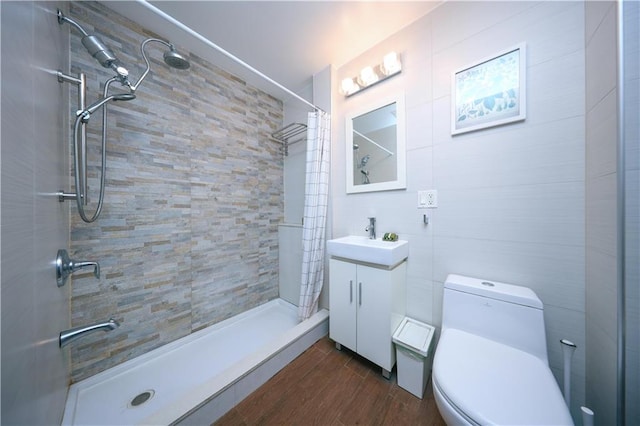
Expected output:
(209, 43)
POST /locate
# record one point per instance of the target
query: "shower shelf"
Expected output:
(287, 133)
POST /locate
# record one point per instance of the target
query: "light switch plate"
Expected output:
(422, 199)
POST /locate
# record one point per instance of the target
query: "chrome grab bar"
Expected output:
(81, 82)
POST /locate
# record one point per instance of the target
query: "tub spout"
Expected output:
(68, 336)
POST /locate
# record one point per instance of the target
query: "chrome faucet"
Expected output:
(66, 266)
(371, 228)
(75, 333)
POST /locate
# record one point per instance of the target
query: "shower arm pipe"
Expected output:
(135, 86)
(63, 18)
(211, 44)
(373, 142)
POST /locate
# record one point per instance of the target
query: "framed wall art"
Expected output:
(490, 93)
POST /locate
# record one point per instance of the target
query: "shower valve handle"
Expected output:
(66, 266)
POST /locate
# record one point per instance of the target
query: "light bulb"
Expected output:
(367, 76)
(391, 64)
(349, 87)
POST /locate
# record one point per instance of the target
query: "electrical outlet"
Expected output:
(432, 199)
(428, 199)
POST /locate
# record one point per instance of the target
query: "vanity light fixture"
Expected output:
(390, 66)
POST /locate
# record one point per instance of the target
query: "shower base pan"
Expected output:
(196, 379)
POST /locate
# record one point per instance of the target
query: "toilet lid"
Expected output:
(492, 383)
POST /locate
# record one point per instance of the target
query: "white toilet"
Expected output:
(490, 366)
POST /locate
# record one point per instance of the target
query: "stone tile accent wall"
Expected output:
(188, 235)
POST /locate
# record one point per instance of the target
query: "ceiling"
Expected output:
(288, 41)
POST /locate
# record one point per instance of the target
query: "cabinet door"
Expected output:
(374, 315)
(342, 300)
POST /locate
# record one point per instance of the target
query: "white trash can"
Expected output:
(413, 341)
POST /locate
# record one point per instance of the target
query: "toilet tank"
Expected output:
(505, 313)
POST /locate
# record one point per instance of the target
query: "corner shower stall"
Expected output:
(187, 238)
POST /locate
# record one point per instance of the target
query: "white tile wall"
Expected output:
(294, 176)
(601, 126)
(554, 272)
(464, 20)
(290, 258)
(419, 305)
(34, 224)
(601, 56)
(601, 175)
(632, 159)
(601, 370)
(601, 215)
(556, 156)
(294, 163)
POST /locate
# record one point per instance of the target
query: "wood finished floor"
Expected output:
(324, 386)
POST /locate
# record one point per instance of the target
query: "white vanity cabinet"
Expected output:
(367, 303)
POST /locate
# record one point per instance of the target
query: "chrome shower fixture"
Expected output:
(363, 161)
(171, 58)
(175, 60)
(97, 49)
(107, 59)
(67, 336)
(86, 113)
(365, 177)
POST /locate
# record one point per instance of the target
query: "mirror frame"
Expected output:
(401, 153)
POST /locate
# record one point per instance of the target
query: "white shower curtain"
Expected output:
(315, 212)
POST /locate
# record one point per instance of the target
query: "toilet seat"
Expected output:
(491, 383)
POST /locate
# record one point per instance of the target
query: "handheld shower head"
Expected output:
(123, 97)
(86, 113)
(176, 60)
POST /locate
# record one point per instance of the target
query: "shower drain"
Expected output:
(141, 398)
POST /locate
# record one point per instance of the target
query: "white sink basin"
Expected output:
(362, 249)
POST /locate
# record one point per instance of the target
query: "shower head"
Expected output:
(171, 58)
(123, 97)
(176, 60)
(86, 114)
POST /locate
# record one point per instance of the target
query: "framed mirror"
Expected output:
(375, 147)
